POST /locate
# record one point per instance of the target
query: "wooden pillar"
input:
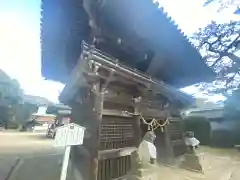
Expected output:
(98, 108)
(79, 160)
(88, 113)
(169, 148)
(137, 124)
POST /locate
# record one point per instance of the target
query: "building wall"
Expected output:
(43, 119)
(225, 133)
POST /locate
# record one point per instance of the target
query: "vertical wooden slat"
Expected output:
(175, 141)
(103, 167)
(112, 170)
(118, 166)
(100, 171)
(109, 170)
(114, 167)
(122, 161)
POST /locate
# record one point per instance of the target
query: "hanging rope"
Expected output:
(153, 124)
(161, 125)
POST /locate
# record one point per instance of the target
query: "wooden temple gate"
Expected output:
(113, 102)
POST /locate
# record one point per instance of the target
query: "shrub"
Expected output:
(12, 125)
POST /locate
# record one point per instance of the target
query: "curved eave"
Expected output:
(140, 25)
(58, 109)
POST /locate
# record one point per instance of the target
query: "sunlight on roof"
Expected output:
(20, 39)
(20, 52)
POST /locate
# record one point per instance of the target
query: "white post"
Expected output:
(65, 163)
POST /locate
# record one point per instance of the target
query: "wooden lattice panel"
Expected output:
(116, 132)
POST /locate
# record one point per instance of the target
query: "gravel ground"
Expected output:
(28, 155)
(33, 157)
(218, 164)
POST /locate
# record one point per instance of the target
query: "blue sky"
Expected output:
(20, 47)
(20, 38)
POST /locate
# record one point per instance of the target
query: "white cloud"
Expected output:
(20, 50)
(190, 15)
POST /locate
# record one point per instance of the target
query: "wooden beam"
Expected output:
(118, 98)
(113, 153)
(154, 113)
(118, 113)
(126, 73)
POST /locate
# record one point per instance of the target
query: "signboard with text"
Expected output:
(69, 135)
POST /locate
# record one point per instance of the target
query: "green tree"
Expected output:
(224, 4)
(219, 45)
(10, 98)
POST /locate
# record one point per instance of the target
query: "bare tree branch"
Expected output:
(218, 44)
(234, 42)
(229, 80)
(216, 61)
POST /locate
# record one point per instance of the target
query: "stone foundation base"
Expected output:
(192, 162)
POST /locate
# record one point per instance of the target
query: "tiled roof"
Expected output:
(37, 100)
(63, 29)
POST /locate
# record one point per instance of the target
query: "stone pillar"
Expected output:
(192, 161)
(141, 171)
